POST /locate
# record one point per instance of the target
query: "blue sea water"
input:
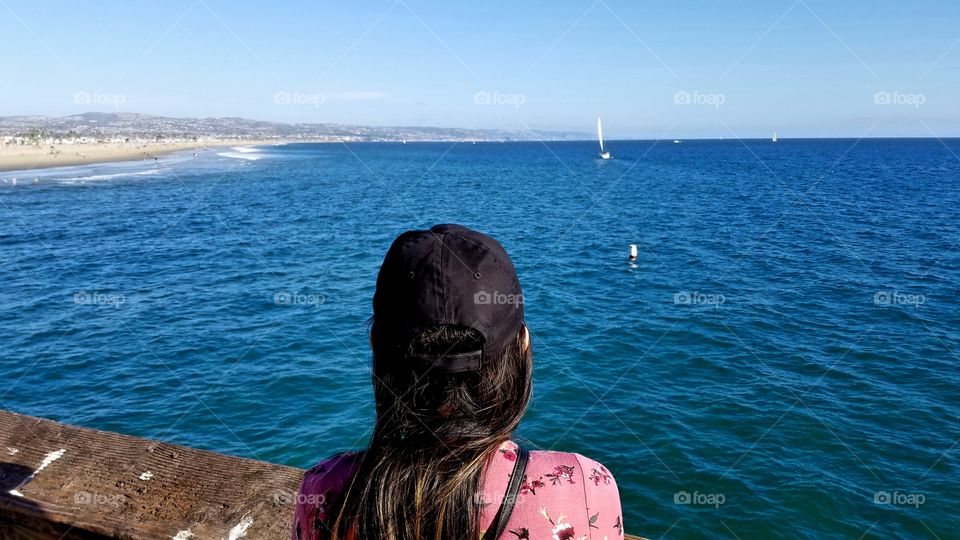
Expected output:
(779, 362)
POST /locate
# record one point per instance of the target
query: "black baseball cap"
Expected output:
(447, 275)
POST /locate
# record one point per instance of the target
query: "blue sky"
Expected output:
(665, 69)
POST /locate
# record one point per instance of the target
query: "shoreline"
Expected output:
(37, 157)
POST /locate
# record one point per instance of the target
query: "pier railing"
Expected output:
(64, 482)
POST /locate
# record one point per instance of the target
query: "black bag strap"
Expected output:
(499, 523)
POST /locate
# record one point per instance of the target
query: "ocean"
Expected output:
(779, 362)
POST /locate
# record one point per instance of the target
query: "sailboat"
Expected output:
(774, 139)
(603, 154)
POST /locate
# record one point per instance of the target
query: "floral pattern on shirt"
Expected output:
(563, 496)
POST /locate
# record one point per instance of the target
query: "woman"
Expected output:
(452, 366)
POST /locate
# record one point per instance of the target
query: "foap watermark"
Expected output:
(699, 499)
(683, 97)
(298, 298)
(495, 499)
(298, 98)
(896, 498)
(897, 298)
(99, 98)
(281, 497)
(899, 98)
(498, 298)
(97, 298)
(86, 498)
(499, 98)
(696, 298)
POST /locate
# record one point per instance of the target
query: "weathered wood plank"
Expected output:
(117, 486)
(64, 482)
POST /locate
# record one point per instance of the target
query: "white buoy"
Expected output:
(633, 252)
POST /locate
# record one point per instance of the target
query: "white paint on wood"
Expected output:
(47, 460)
(184, 535)
(240, 529)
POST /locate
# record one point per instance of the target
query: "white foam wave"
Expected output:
(239, 155)
(115, 175)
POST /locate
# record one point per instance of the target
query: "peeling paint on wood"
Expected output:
(240, 530)
(96, 485)
(47, 460)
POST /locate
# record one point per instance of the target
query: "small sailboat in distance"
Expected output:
(774, 139)
(603, 154)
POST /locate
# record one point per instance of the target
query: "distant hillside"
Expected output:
(107, 125)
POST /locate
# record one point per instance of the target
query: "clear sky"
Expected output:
(670, 69)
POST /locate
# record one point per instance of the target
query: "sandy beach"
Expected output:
(14, 157)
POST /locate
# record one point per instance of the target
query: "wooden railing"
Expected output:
(63, 482)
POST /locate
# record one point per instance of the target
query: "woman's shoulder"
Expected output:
(549, 469)
(327, 478)
(321, 484)
(568, 468)
(563, 493)
(567, 462)
(333, 469)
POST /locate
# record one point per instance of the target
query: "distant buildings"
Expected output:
(128, 127)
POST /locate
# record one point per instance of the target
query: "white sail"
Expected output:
(600, 134)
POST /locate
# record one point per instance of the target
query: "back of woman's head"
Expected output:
(429, 407)
(451, 382)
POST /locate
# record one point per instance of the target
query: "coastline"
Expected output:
(45, 156)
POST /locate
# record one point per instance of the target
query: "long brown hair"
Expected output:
(421, 474)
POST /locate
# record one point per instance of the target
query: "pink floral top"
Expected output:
(563, 496)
